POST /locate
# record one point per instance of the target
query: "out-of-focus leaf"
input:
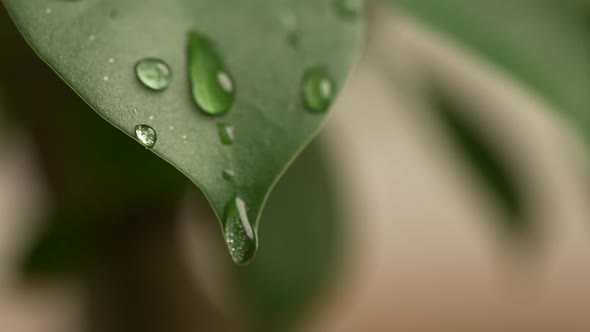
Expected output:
(94, 46)
(543, 43)
(93, 172)
(65, 246)
(299, 245)
(484, 158)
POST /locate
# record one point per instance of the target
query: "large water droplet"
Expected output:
(318, 89)
(146, 135)
(226, 133)
(153, 73)
(212, 86)
(240, 236)
(348, 9)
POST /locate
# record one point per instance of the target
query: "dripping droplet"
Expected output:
(318, 89)
(228, 174)
(226, 133)
(212, 86)
(153, 73)
(348, 9)
(146, 135)
(240, 236)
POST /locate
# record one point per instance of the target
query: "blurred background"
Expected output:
(445, 194)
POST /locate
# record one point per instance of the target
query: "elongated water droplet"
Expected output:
(240, 236)
(153, 73)
(146, 135)
(348, 9)
(226, 133)
(212, 86)
(318, 89)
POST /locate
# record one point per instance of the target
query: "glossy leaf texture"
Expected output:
(94, 46)
(545, 44)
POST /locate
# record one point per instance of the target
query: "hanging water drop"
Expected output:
(240, 236)
(146, 135)
(226, 133)
(348, 9)
(212, 86)
(318, 89)
(153, 73)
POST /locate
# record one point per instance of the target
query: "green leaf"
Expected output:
(95, 45)
(545, 44)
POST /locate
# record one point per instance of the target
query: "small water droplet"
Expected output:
(105, 78)
(91, 37)
(318, 89)
(171, 127)
(228, 174)
(153, 73)
(294, 39)
(151, 117)
(48, 11)
(226, 133)
(240, 236)
(212, 86)
(184, 137)
(146, 135)
(348, 9)
(111, 60)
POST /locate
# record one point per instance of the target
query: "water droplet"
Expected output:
(212, 86)
(171, 127)
(226, 133)
(105, 78)
(348, 9)
(240, 236)
(146, 135)
(318, 89)
(151, 117)
(228, 174)
(153, 73)
(48, 11)
(294, 39)
(184, 137)
(91, 37)
(111, 60)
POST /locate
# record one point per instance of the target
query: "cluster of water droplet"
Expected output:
(213, 91)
